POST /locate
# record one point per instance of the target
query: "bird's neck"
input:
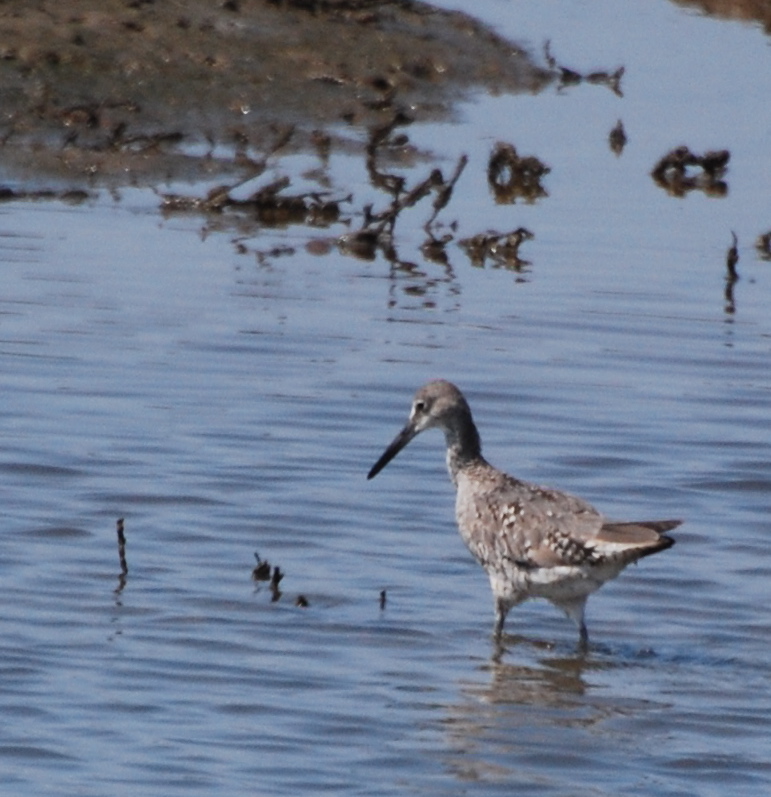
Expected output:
(464, 447)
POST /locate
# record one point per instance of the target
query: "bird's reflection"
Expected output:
(556, 681)
(533, 708)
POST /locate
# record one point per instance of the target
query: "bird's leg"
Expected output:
(583, 637)
(575, 611)
(501, 610)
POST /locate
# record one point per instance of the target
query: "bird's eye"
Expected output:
(420, 406)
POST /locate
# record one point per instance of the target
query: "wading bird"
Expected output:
(534, 542)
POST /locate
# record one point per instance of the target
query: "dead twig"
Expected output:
(122, 577)
(732, 275)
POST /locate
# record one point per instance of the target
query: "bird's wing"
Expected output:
(530, 525)
(633, 540)
(542, 527)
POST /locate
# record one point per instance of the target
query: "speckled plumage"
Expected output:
(534, 542)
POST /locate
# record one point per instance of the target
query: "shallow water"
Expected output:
(225, 403)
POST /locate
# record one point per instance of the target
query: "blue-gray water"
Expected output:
(226, 404)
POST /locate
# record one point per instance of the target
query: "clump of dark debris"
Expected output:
(274, 575)
(570, 77)
(763, 245)
(269, 206)
(511, 176)
(617, 138)
(681, 171)
(262, 570)
(500, 248)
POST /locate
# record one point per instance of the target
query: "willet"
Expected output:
(534, 542)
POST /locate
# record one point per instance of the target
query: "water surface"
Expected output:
(226, 391)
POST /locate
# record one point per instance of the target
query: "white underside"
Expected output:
(562, 585)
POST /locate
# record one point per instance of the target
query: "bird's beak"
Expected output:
(399, 442)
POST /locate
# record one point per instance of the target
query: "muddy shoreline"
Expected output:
(113, 92)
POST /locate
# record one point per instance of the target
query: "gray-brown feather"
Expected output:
(505, 519)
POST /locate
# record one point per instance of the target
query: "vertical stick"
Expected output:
(122, 548)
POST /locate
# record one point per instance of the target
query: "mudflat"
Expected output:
(125, 91)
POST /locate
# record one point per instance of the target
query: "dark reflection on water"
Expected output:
(556, 683)
(530, 720)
